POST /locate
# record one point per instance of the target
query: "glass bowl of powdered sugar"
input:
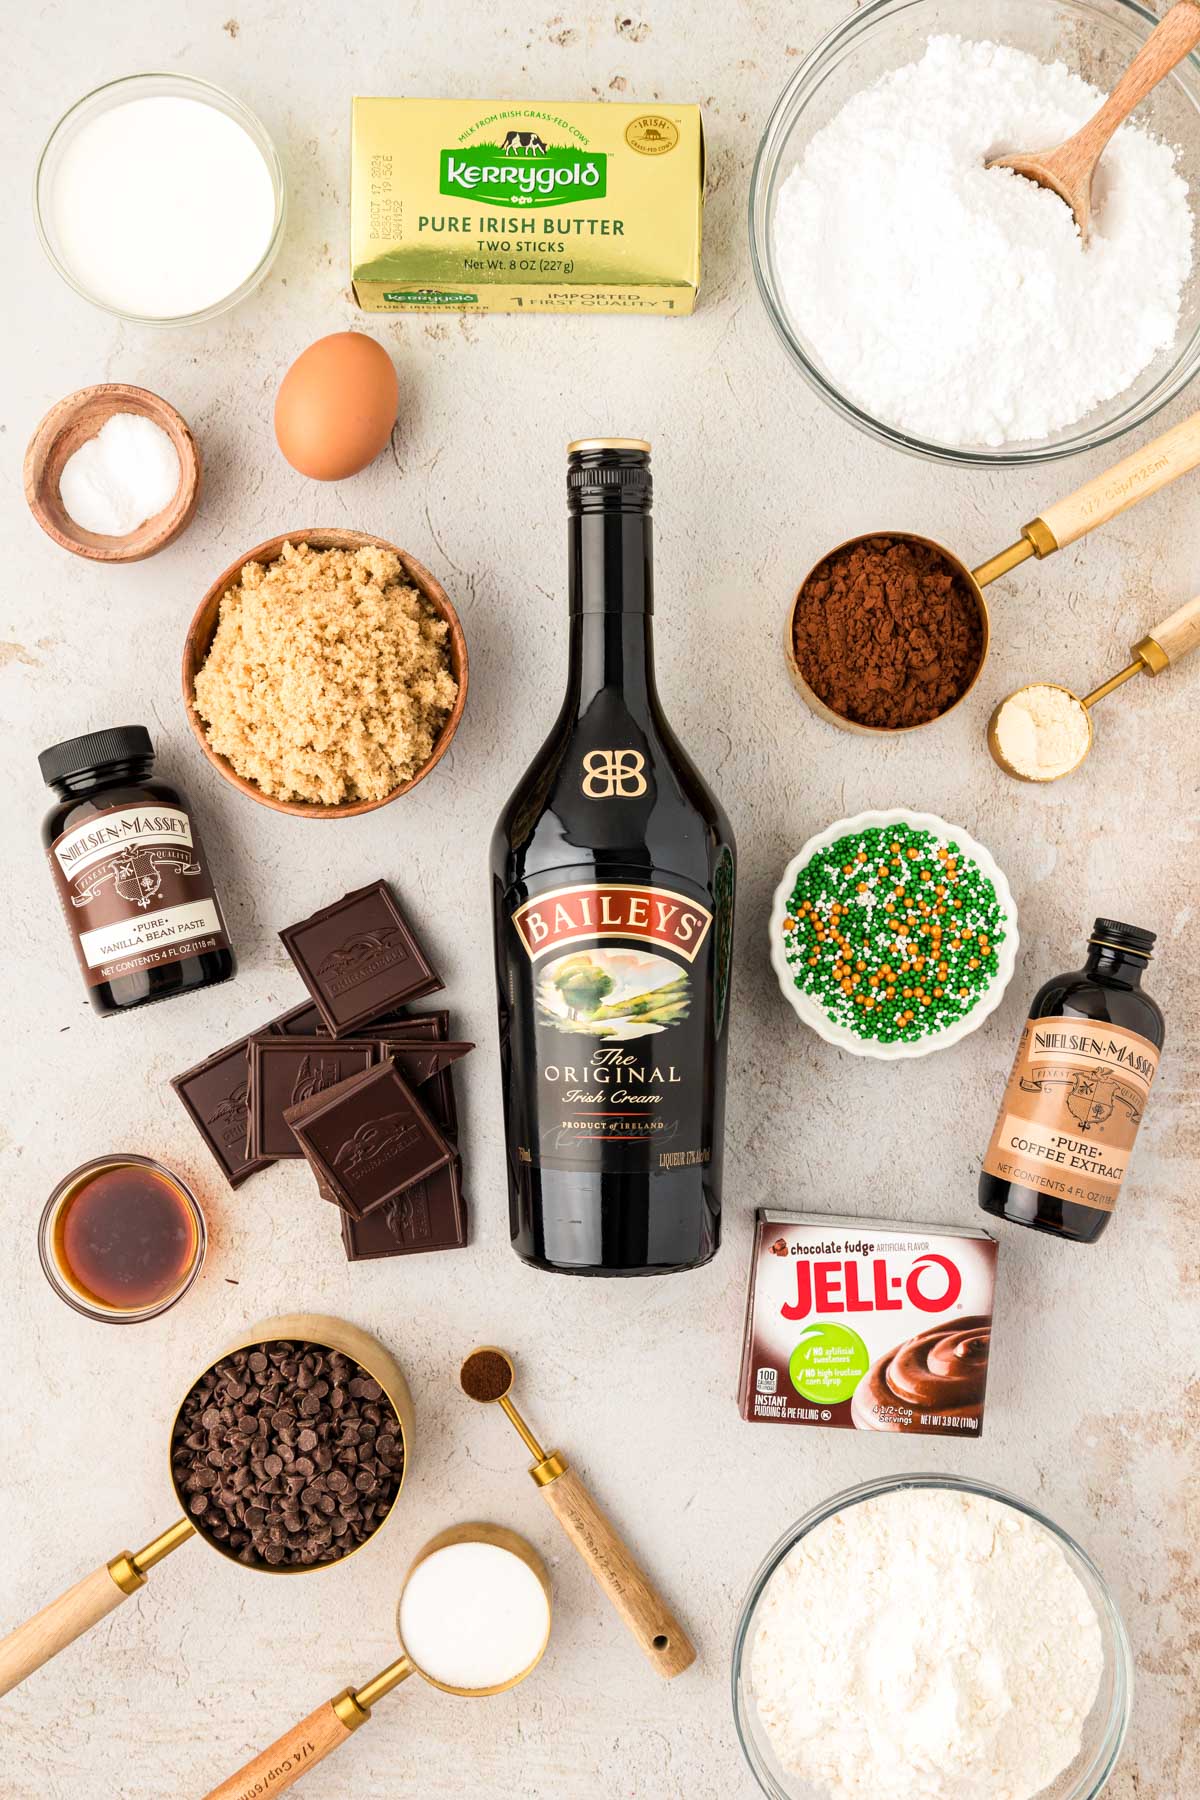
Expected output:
(924, 1637)
(952, 310)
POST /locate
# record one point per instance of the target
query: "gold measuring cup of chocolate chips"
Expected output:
(473, 1620)
(1043, 730)
(1134, 478)
(281, 1451)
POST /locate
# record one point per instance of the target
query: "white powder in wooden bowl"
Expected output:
(328, 678)
(926, 1645)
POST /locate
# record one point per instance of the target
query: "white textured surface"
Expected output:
(1093, 1408)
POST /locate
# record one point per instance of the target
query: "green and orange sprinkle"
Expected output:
(894, 932)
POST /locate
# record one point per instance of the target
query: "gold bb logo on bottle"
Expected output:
(613, 774)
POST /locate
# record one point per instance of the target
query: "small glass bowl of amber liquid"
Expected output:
(121, 1239)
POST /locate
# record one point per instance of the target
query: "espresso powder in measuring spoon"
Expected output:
(887, 632)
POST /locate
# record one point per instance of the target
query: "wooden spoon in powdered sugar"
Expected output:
(1068, 170)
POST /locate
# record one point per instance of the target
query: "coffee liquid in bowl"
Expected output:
(1078, 1088)
(125, 1237)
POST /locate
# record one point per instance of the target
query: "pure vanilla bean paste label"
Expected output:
(1071, 1110)
(135, 890)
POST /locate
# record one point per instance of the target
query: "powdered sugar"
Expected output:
(956, 302)
(926, 1644)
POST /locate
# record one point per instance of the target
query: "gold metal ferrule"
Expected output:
(349, 1711)
(126, 1574)
(549, 1469)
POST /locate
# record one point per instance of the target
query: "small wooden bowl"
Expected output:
(203, 628)
(71, 423)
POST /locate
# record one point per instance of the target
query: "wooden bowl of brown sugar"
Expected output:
(887, 633)
(203, 628)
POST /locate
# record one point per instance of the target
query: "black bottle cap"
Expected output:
(95, 750)
(609, 475)
(1124, 937)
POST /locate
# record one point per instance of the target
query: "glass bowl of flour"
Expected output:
(952, 310)
(924, 1637)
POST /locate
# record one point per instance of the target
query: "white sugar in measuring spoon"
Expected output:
(160, 207)
(474, 1619)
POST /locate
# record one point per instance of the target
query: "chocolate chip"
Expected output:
(287, 1455)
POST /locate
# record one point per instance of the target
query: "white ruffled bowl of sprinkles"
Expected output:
(893, 934)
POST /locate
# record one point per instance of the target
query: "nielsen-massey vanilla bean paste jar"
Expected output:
(1078, 1088)
(130, 873)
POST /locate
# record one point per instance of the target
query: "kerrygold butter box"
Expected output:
(868, 1324)
(490, 206)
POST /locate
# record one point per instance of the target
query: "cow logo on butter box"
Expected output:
(652, 135)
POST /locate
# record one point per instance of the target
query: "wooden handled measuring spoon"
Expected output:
(1068, 170)
(1166, 643)
(487, 1376)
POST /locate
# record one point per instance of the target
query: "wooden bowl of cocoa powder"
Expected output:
(889, 632)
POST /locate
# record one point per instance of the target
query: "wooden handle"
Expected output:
(57, 1625)
(642, 1607)
(1135, 478)
(289, 1757)
(1177, 636)
(1172, 38)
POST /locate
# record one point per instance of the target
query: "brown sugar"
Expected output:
(328, 678)
(887, 632)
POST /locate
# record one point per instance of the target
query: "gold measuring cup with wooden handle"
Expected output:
(41, 1638)
(1142, 473)
(486, 1376)
(1165, 644)
(327, 1729)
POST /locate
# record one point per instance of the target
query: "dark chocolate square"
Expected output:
(399, 1021)
(431, 1073)
(359, 959)
(430, 1215)
(369, 1138)
(215, 1093)
(285, 1072)
(302, 1021)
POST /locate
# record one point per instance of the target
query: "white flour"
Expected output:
(926, 1645)
(959, 303)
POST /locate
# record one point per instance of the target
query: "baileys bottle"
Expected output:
(612, 881)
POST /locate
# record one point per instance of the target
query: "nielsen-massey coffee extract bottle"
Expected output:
(612, 881)
(1078, 1088)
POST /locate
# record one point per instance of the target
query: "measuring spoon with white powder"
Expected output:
(1068, 170)
(473, 1620)
(1043, 731)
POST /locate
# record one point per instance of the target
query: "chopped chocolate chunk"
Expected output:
(215, 1093)
(369, 1138)
(287, 1071)
(359, 959)
(430, 1215)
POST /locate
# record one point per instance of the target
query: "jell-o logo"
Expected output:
(834, 1287)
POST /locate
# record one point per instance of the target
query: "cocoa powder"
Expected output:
(887, 632)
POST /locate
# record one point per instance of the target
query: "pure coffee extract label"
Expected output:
(622, 988)
(1071, 1110)
(134, 886)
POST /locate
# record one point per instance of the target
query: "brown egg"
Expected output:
(336, 406)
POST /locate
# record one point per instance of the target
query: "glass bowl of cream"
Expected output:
(834, 163)
(935, 1636)
(161, 199)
